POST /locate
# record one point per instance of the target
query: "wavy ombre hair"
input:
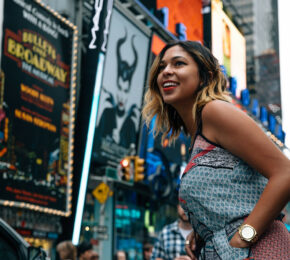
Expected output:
(212, 87)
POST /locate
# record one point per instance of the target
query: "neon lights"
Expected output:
(88, 151)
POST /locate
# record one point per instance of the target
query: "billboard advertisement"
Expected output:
(123, 82)
(228, 46)
(188, 13)
(36, 107)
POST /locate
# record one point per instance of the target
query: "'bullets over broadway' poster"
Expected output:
(35, 106)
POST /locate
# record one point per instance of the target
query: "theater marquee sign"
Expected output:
(36, 107)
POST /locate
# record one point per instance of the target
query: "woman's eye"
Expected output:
(179, 63)
(161, 67)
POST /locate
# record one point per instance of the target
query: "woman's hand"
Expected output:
(190, 245)
(236, 241)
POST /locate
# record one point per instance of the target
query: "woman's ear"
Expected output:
(210, 75)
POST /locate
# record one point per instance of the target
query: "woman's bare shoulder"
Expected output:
(217, 108)
(221, 117)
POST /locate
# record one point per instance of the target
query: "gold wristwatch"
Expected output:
(248, 233)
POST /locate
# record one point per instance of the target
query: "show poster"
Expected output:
(35, 107)
(123, 83)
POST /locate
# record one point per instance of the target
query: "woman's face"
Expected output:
(178, 78)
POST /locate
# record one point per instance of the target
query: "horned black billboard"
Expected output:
(123, 84)
(35, 107)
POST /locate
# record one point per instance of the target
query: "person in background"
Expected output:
(147, 250)
(85, 252)
(237, 181)
(66, 250)
(121, 255)
(171, 240)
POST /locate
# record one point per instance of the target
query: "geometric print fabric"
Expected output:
(218, 190)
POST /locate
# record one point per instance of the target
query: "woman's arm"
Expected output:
(235, 131)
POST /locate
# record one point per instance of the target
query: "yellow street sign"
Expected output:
(102, 192)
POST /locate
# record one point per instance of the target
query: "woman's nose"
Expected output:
(168, 70)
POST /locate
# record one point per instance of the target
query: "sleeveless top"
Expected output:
(217, 191)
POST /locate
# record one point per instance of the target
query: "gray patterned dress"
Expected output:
(218, 190)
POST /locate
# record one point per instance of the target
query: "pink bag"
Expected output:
(274, 244)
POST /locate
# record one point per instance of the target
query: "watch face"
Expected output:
(247, 232)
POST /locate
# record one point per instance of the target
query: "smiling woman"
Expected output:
(175, 63)
(237, 181)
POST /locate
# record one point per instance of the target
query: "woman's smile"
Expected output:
(169, 85)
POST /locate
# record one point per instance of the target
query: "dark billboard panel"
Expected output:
(125, 69)
(36, 107)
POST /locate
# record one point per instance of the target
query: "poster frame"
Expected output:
(71, 125)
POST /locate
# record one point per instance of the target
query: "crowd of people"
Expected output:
(170, 244)
(84, 251)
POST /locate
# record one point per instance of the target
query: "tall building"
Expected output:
(260, 28)
(242, 13)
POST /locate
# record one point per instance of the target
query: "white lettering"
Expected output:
(26, 66)
(62, 31)
(106, 31)
(49, 30)
(29, 17)
(96, 21)
(20, 2)
(43, 76)
(41, 16)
